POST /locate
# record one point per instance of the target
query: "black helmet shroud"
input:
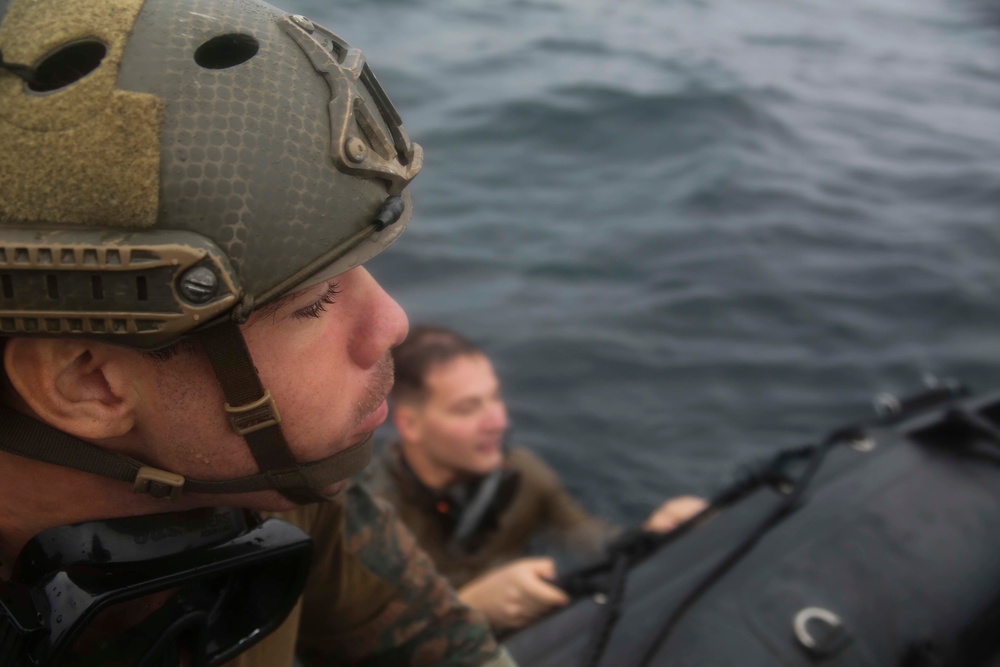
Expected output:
(167, 168)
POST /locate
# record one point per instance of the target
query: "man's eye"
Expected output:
(316, 309)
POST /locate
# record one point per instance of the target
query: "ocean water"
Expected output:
(694, 231)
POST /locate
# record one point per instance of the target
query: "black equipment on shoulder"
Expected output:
(469, 510)
(480, 512)
(878, 546)
(192, 588)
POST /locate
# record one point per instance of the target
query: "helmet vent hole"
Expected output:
(97, 287)
(52, 285)
(8, 286)
(140, 288)
(67, 66)
(226, 51)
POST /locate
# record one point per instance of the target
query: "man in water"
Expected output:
(474, 505)
(187, 191)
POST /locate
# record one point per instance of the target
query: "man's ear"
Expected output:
(80, 387)
(407, 419)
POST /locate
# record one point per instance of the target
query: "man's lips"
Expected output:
(374, 419)
(490, 446)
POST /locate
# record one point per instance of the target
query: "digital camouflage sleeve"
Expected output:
(373, 598)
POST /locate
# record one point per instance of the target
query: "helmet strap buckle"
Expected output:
(254, 416)
(158, 483)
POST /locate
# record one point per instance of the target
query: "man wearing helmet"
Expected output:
(187, 191)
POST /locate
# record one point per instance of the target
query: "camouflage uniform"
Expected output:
(372, 598)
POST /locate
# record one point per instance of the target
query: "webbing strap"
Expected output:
(27, 437)
(252, 412)
(23, 436)
(472, 516)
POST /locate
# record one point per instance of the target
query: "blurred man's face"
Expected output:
(461, 423)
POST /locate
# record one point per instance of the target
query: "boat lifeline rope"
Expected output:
(789, 503)
(610, 612)
(606, 579)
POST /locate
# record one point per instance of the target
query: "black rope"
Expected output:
(638, 544)
(610, 612)
(25, 72)
(788, 504)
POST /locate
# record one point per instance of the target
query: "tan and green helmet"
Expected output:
(169, 166)
(165, 163)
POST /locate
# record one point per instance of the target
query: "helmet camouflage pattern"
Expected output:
(167, 163)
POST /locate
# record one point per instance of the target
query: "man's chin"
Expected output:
(275, 502)
(487, 464)
(334, 490)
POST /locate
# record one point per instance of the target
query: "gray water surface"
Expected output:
(692, 232)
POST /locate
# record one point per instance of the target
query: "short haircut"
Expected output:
(426, 347)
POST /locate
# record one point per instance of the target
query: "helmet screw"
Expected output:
(199, 285)
(303, 22)
(356, 149)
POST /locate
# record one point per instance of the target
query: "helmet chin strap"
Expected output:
(252, 413)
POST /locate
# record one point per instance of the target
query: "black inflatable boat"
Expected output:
(878, 546)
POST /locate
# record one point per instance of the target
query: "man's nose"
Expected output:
(496, 416)
(384, 324)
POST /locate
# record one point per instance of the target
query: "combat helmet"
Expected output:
(167, 167)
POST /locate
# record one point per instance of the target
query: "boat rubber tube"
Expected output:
(890, 557)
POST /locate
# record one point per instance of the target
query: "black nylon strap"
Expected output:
(23, 436)
(317, 474)
(234, 368)
(27, 437)
(472, 516)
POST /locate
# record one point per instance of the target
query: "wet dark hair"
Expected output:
(426, 347)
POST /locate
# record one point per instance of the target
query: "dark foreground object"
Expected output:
(878, 547)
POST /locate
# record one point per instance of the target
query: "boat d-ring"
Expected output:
(831, 638)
